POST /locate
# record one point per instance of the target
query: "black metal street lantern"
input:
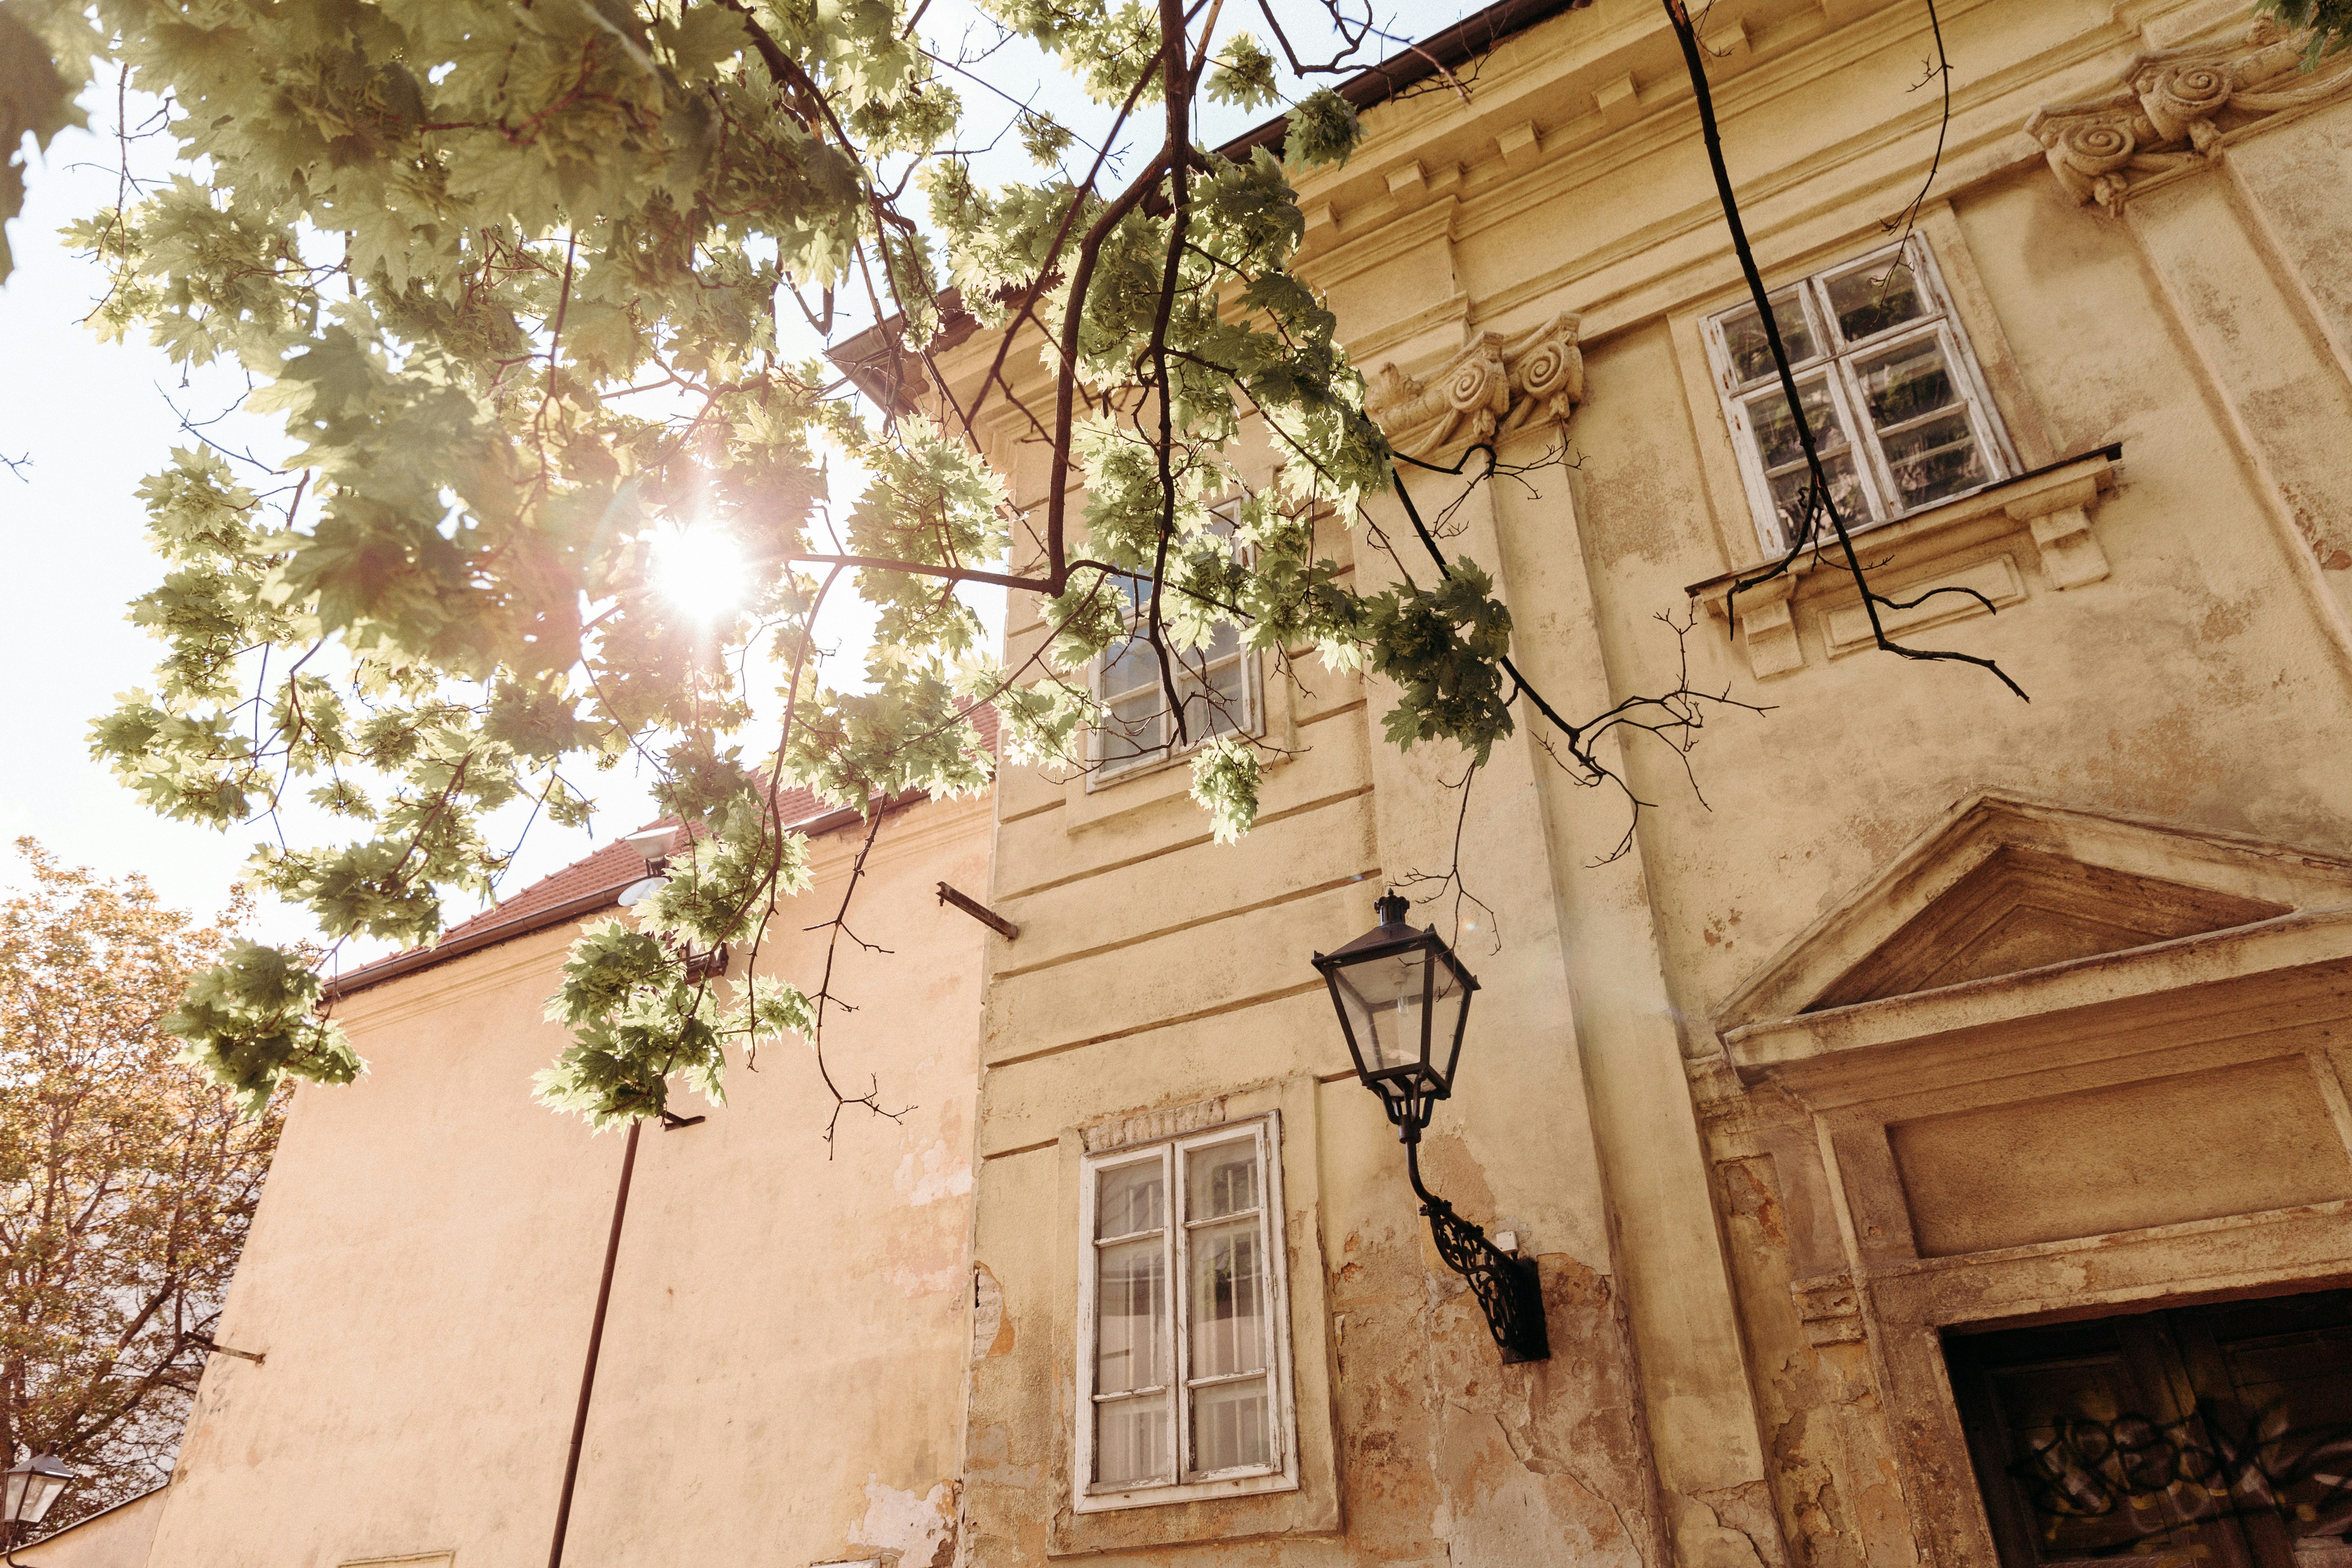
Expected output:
(1405, 1002)
(32, 1486)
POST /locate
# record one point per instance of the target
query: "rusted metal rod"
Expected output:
(979, 911)
(205, 1342)
(595, 1343)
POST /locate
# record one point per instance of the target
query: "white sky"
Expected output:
(94, 420)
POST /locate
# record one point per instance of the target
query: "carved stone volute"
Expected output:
(2177, 109)
(2182, 97)
(1496, 386)
(2091, 145)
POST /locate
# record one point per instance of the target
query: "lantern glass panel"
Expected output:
(1383, 998)
(1451, 1009)
(30, 1492)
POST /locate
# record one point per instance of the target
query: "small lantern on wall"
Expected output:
(1403, 1000)
(33, 1486)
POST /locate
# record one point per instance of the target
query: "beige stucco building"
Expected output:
(787, 1323)
(1932, 1142)
(1942, 1012)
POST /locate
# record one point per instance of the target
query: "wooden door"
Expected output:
(2215, 1436)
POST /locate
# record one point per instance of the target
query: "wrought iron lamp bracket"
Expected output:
(1509, 1290)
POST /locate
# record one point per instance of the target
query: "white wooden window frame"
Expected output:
(1249, 721)
(1187, 1485)
(1833, 361)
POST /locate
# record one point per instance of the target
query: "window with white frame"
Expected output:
(1216, 684)
(1184, 1323)
(1899, 411)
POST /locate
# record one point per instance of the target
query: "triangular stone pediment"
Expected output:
(2023, 909)
(2009, 886)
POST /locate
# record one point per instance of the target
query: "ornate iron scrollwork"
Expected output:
(1509, 1290)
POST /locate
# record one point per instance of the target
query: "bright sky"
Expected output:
(89, 421)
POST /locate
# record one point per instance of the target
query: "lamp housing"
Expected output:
(651, 845)
(32, 1486)
(1403, 1000)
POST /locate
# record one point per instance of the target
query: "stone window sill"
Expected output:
(1959, 544)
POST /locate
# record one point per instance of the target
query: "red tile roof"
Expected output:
(589, 884)
(606, 870)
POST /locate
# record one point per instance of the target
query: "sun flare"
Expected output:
(700, 569)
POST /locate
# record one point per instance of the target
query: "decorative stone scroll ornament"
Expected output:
(2177, 108)
(1496, 386)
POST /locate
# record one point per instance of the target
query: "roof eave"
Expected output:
(422, 958)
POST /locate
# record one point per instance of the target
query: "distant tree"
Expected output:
(127, 1181)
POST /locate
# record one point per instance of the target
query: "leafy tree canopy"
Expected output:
(511, 276)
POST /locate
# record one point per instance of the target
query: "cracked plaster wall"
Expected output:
(1694, 1414)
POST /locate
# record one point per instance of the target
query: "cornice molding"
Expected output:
(467, 978)
(1400, 231)
(2177, 110)
(1817, 204)
(1496, 385)
(1453, 311)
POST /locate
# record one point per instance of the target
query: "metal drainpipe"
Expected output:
(595, 1343)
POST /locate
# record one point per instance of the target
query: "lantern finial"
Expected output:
(1392, 906)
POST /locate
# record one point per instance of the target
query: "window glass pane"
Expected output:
(1916, 407)
(1776, 432)
(1223, 1180)
(1935, 459)
(1132, 666)
(1134, 727)
(1223, 648)
(1216, 709)
(1222, 717)
(1230, 1427)
(1131, 1440)
(1228, 1300)
(1230, 678)
(1788, 491)
(1899, 385)
(1128, 1200)
(1871, 299)
(1132, 1309)
(1751, 353)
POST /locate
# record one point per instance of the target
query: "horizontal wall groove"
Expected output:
(1032, 810)
(1183, 844)
(1237, 1004)
(1023, 1149)
(1341, 711)
(1292, 896)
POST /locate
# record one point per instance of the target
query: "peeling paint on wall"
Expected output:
(923, 1281)
(992, 1331)
(919, 1529)
(926, 1176)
